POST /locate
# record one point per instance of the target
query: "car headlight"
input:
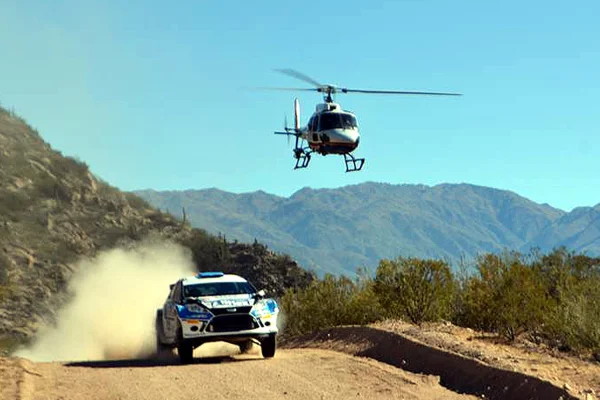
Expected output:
(194, 308)
(260, 308)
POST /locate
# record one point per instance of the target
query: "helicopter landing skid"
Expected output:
(302, 158)
(353, 164)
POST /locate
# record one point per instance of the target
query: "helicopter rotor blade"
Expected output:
(299, 75)
(344, 90)
(331, 89)
(288, 89)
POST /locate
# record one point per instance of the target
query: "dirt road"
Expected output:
(292, 374)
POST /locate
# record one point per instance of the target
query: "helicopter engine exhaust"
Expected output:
(296, 115)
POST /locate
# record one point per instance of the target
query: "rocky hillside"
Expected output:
(336, 230)
(53, 211)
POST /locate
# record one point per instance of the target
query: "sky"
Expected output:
(161, 94)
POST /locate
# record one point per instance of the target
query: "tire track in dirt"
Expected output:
(25, 384)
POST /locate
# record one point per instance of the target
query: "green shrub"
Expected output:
(209, 253)
(64, 166)
(14, 203)
(505, 296)
(580, 317)
(330, 302)
(137, 202)
(49, 187)
(572, 282)
(553, 298)
(421, 290)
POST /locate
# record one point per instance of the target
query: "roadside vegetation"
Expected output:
(549, 298)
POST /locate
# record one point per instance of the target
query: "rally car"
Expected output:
(213, 306)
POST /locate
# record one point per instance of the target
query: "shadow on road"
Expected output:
(156, 362)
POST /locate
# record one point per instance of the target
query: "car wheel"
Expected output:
(268, 346)
(185, 350)
(186, 353)
(161, 348)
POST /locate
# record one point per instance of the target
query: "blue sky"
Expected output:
(155, 94)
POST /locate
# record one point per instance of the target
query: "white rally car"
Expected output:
(213, 306)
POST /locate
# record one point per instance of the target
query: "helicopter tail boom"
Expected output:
(290, 133)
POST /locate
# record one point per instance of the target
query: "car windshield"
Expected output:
(218, 289)
(331, 120)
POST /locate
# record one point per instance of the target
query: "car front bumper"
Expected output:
(237, 327)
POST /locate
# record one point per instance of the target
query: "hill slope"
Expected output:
(578, 230)
(53, 212)
(336, 230)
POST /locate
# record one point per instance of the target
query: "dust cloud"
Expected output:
(115, 297)
(281, 321)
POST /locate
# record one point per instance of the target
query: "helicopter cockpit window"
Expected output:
(330, 121)
(349, 121)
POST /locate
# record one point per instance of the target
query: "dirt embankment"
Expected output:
(456, 372)
(579, 375)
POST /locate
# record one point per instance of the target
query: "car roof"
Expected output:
(193, 280)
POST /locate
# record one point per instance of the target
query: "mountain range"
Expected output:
(337, 230)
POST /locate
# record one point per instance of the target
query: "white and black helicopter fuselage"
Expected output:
(330, 129)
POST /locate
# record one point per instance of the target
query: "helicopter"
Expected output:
(330, 129)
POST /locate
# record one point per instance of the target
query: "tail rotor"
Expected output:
(295, 130)
(287, 129)
(301, 154)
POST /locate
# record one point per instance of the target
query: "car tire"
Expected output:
(268, 346)
(245, 346)
(161, 348)
(185, 350)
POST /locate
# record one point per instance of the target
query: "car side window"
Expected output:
(176, 294)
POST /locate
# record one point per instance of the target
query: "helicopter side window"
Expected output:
(330, 121)
(314, 123)
(349, 121)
